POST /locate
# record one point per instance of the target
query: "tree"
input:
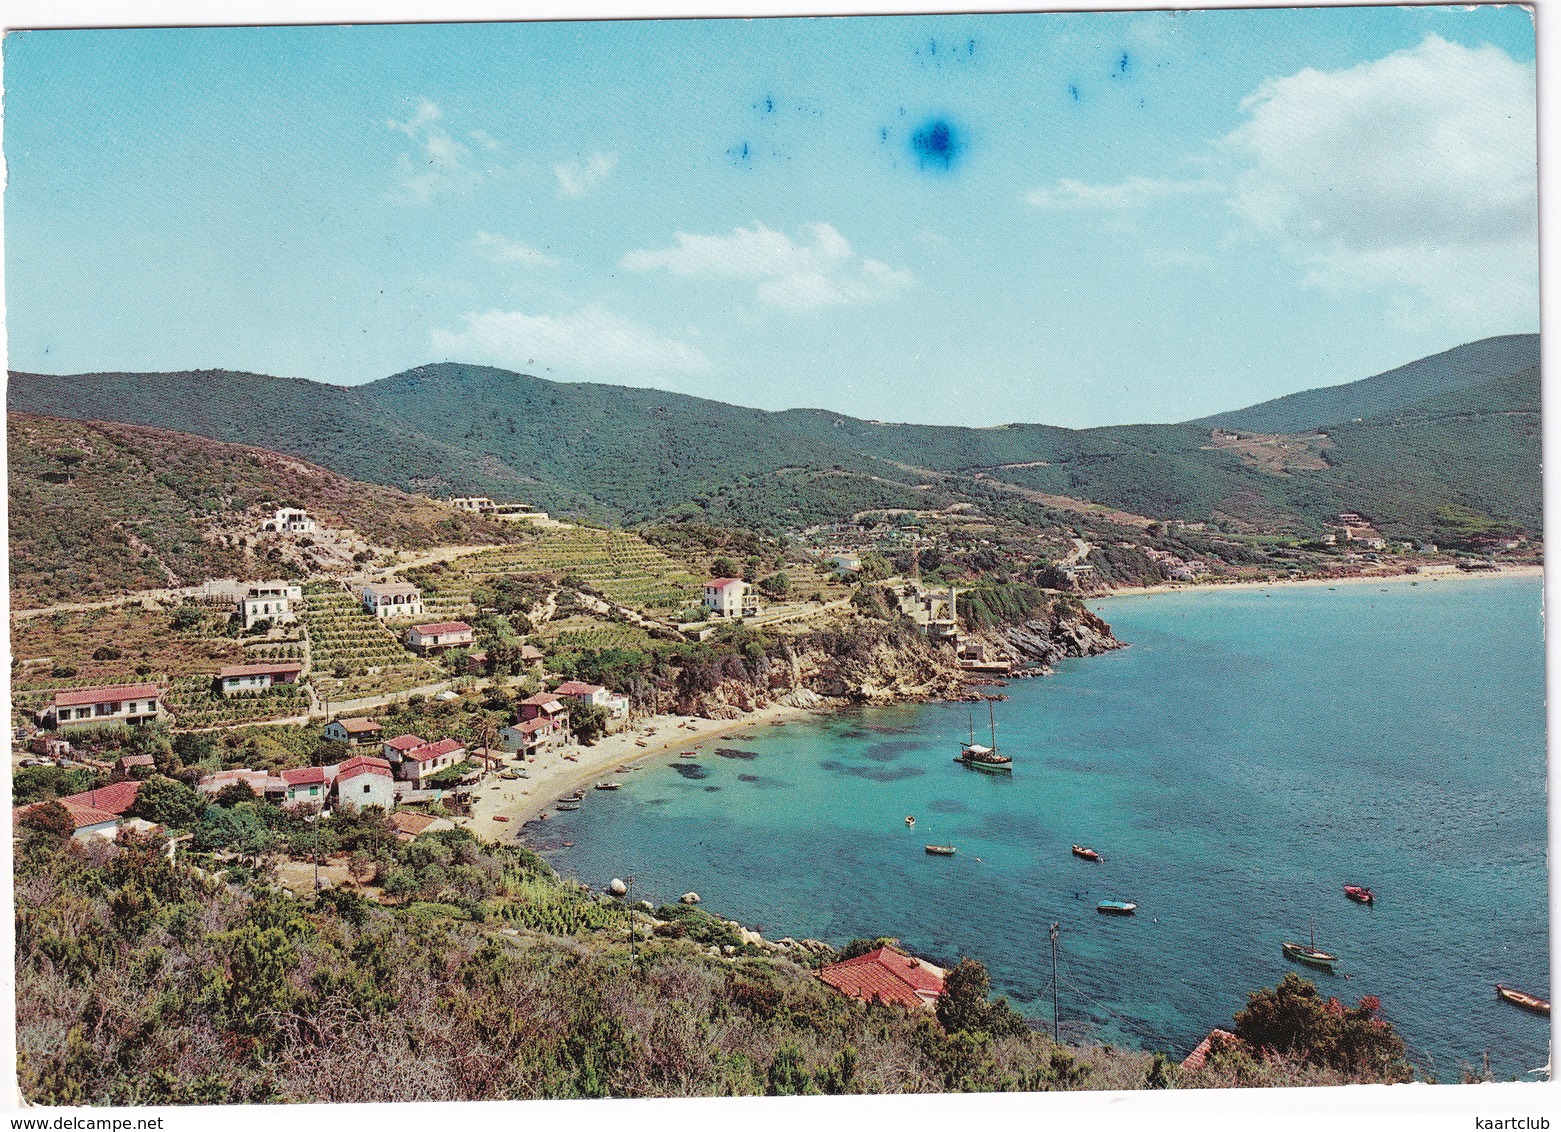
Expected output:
(777, 586)
(1294, 1018)
(39, 783)
(589, 722)
(256, 985)
(170, 803)
(751, 567)
(50, 819)
(963, 1005)
(723, 567)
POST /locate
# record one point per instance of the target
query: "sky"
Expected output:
(1077, 219)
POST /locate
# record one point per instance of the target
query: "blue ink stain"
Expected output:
(970, 48)
(936, 144)
(932, 46)
(769, 104)
(1122, 64)
(745, 151)
(1073, 92)
(883, 134)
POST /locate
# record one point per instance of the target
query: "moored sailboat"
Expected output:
(985, 758)
(1309, 953)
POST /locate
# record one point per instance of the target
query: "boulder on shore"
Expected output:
(618, 888)
(689, 898)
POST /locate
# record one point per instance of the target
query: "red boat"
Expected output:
(1359, 893)
(1521, 998)
(1087, 854)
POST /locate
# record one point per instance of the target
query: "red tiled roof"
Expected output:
(886, 975)
(1200, 1054)
(542, 699)
(293, 667)
(358, 724)
(406, 742)
(84, 816)
(577, 688)
(363, 764)
(721, 583)
(107, 694)
(409, 823)
(538, 724)
(304, 776)
(430, 751)
(137, 760)
(440, 628)
(115, 799)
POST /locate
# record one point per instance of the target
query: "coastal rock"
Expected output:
(618, 888)
(689, 898)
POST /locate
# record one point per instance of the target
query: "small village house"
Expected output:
(426, 640)
(888, 975)
(545, 705)
(408, 824)
(96, 813)
(421, 763)
(134, 766)
(531, 736)
(509, 512)
(306, 785)
(261, 784)
(290, 520)
(395, 750)
(117, 703)
(581, 693)
(276, 602)
(729, 597)
(239, 678)
(365, 781)
(393, 599)
(357, 729)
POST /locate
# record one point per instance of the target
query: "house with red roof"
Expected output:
(426, 640)
(239, 678)
(357, 729)
(395, 750)
(545, 705)
(134, 704)
(1200, 1054)
(393, 599)
(96, 813)
(134, 765)
(420, 763)
(306, 784)
(729, 597)
(530, 736)
(364, 781)
(261, 784)
(409, 825)
(889, 976)
(581, 693)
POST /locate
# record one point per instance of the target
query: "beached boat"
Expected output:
(984, 758)
(508, 775)
(1309, 953)
(641, 743)
(1087, 854)
(608, 785)
(1359, 893)
(1524, 999)
(941, 850)
(694, 754)
(569, 804)
(1116, 907)
(500, 817)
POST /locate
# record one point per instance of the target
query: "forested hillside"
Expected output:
(1436, 434)
(101, 509)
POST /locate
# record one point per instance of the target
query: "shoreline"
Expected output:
(1350, 580)
(552, 775)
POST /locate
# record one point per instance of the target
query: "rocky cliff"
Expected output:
(1063, 630)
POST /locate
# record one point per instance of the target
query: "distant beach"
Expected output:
(1288, 583)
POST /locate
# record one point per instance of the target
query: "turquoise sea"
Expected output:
(1249, 754)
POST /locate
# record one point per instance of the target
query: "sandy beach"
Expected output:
(554, 774)
(1352, 580)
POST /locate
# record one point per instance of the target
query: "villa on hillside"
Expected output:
(365, 781)
(393, 599)
(307, 784)
(270, 601)
(119, 703)
(237, 678)
(729, 597)
(353, 731)
(581, 693)
(291, 520)
(888, 975)
(425, 640)
(509, 512)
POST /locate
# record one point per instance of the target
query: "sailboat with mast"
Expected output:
(985, 758)
(1309, 954)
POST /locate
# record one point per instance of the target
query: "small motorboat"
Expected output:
(1087, 854)
(910, 821)
(1116, 907)
(941, 850)
(641, 743)
(1523, 999)
(508, 775)
(573, 758)
(1359, 893)
(608, 785)
(694, 754)
(569, 804)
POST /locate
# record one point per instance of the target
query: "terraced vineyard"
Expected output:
(354, 653)
(621, 565)
(196, 706)
(584, 636)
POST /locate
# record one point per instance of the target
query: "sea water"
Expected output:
(1250, 753)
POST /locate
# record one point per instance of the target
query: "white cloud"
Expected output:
(442, 163)
(588, 339)
(576, 177)
(818, 270)
(1134, 192)
(501, 249)
(1413, 171)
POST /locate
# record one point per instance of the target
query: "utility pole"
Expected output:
(1056, 1025)
(628, 902)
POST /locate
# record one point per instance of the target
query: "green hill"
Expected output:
(1463, 367)
(624, 455)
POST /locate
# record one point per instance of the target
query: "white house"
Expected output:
(365, 781)
(843, 564)
(531, 735)
(353, 731)
(307, 784)
(510, 512)
(429, 759)
(270, 601)
(729, 597)
(291, 520)
(617, 706)
(393, 599)
(442, 635)
(238, 678)
(117, 703)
